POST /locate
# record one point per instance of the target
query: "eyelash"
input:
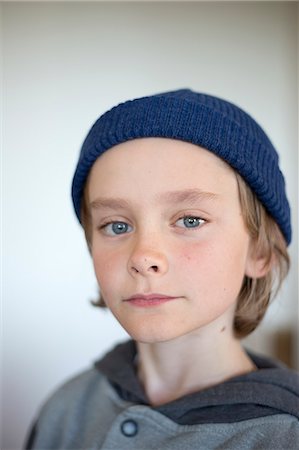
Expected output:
(199, 219)
(105, 226)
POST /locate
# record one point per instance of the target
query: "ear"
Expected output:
(258, 262)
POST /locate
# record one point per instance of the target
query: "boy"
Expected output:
(187, 221)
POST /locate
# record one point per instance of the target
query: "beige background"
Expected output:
(65, 64)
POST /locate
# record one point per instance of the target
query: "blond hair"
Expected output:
(255, 293)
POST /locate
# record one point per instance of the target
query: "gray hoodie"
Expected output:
(106, 408)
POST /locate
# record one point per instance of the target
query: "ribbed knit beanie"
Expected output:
(204, 120)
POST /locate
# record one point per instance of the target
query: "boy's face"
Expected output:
(166, 220)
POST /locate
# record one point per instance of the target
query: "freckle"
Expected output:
(223, 329)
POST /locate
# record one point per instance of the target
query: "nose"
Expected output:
(147, 258)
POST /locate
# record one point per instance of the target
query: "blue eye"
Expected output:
(116, 228)
(190, 222)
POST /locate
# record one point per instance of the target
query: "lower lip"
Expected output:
(143, 303)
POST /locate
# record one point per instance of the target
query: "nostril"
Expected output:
(155, 268)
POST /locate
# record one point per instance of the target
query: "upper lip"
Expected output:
(149, 297)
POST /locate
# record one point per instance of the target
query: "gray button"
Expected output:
(129, 428)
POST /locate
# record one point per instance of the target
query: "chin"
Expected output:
(152, 333)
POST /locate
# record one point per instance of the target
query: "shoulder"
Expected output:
(75, 392)
(273, 385)
(79, 397)
(72, 410)
(71, 393)
(274, 373)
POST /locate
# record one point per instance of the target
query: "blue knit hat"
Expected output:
(204, 120)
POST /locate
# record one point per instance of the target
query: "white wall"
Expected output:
(65, 64)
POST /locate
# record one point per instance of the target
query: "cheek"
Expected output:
(194, 265)
(216, 268)
(196, 257)
(106, 268)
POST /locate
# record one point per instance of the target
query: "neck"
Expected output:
(169, 370)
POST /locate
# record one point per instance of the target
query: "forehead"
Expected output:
(158, 163)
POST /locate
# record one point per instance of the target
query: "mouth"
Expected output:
(150, 300)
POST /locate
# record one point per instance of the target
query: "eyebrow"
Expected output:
(187, 195)
(109, 203)
(173, 197)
